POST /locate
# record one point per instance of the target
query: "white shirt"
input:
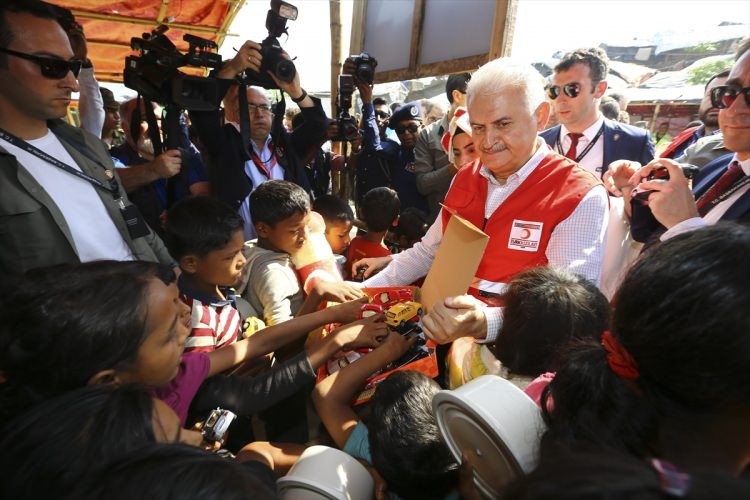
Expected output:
(90, 102)
(593, 159)
(576, 244)
(715, 214)
(276, 172)
(95, 236)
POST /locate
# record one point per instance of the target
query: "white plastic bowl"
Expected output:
(326, 473)
(498, 422)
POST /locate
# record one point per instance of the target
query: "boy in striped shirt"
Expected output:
(206, 238)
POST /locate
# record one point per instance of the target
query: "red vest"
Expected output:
(678, 141)
(520, 228)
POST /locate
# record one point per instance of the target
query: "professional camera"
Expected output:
(365, 67)
(270, 49)
(155, 75)
(347, 125)
(216, 425)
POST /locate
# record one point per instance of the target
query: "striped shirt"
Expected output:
(214, 323)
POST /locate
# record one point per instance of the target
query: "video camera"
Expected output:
(365, 66)
(270, 49)
(347, 125)
(154, 73)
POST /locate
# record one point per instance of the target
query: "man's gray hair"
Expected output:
(504, 72)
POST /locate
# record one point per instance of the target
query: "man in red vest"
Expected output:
(537, 206)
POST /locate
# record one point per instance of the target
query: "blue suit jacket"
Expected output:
(621, 142)
(740, 209)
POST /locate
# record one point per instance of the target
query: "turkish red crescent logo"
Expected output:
(525, 234)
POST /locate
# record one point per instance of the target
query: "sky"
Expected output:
(541, 28)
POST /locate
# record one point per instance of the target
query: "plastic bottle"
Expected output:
(315, 260)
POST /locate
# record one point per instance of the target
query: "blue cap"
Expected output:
(409, 111)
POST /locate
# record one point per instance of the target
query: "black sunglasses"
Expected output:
(571, 90)
(724, 95)
(410, 128)
(50, 67)
(382, 115)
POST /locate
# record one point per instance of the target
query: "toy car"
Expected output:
(370, 309)
(399, 314)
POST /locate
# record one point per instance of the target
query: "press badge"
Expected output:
(525, 235)
(137, 227)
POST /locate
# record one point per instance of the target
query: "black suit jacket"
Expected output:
(223, 145)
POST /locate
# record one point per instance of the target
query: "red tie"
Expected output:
(573, 145)
(722, 184)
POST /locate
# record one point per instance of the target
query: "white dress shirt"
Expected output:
(593, 159)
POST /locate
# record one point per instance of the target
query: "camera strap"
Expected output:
(244, 113)
(585, 151)
(134, 222)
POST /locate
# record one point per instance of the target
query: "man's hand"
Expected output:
(348, 312)
(365, 89)
(455, 317)
(167, 164)
(78, 42)
(366, 332)
(247, 57)
(616, 178)
(671, 201)
(374, 264)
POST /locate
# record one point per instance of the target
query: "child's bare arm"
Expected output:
(279, 457)
(333, 396)
(334, 291)
(271, 338)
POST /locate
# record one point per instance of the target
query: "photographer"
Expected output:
(385, 162)
(276, 153)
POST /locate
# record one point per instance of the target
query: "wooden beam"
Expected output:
(503, 26)
(334, 7)
(162, 11)
(469, 63)
(145, 22)
(416, 34)
(359, 20)
(234, 9)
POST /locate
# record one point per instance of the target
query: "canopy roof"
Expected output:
(110, 25)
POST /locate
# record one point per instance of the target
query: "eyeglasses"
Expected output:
(50, 66)
(409, 128)
(382, 115)
(263, 108)
(571, 90)
(724, 95)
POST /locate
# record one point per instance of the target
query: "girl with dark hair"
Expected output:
(671, 379)
(122, 322)
(174, 471)
(48, 449)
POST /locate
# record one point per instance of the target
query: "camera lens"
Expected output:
(285, 70)
(365, 72)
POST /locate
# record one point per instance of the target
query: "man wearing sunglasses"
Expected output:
(583, 134)
(722, 191)
(61, 201)
(385, 162)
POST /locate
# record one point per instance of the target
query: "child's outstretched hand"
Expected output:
(348, 311)
(336, 291)
(395, 345)
(366, 332)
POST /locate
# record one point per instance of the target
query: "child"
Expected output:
(545, 308)
(280, 211)
(339, 217)
(401, 438)
(206, 238)
(380, 208)
(411, 228)
(123, 322)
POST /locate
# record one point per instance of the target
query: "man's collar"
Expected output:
(590, 131)
(745, 164)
